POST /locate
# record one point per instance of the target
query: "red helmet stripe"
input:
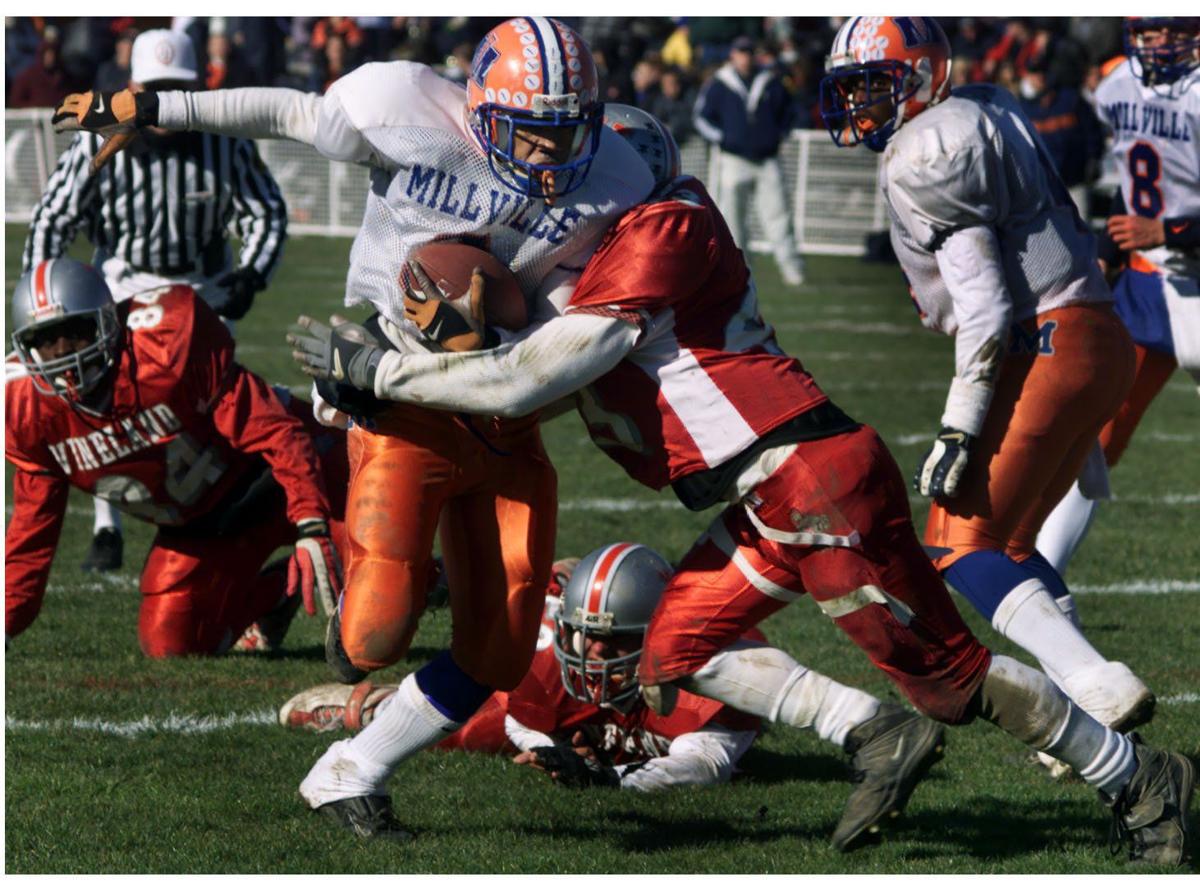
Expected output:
(605, 567)
(41, 296)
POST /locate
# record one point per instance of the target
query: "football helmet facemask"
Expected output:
(610, 597)
(535, 75)
(63, 297)
(877, 60)
(1162, 50)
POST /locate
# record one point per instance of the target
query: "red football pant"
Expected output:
(497, 506)
(1154, 370)
(200, 592)
(1044, 418)
(876, 582)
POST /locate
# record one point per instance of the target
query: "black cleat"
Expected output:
(106, 552)
(344, 670)
(1150, 816)
(892, 752)
(370, 817)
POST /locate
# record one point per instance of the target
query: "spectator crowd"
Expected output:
(659, 64)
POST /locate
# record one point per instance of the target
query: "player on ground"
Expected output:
(142, 405)
(681, 382)
(580, 717)
(520, 164)
(161, 215)
(996, 255)
(1152, 107)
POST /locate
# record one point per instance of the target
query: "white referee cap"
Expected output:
(163, 55)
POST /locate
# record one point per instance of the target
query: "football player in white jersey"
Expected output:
(519, 163)
(996, 255)
(1151, 102)
(680, 381)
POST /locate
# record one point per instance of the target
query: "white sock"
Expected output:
(769, 683)
(1066, 528)
(1025, 703)
(404, 723)
(107, 517)
(1066, 605)
(1030, 618)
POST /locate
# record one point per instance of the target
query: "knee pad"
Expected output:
(380, 610)
(167, 627)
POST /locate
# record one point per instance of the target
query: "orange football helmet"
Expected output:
(876, 59)
(534, 73)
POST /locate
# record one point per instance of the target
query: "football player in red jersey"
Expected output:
(143, 405)
(681, 381)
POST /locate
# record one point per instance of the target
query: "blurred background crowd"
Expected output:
(661, 64)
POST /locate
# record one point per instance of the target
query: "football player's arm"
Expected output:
(39, 503)
(517, 378)
(67, 201)
(707, 756)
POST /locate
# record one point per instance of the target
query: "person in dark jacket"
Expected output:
(747, 112)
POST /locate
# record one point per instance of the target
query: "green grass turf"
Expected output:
(82, 800)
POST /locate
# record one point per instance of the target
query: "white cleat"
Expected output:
(333, 706)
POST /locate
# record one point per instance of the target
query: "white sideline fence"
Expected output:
(835, 201)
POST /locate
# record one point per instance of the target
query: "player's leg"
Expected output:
(399, 480)
(723, 587)
(776, 221)
(498, 544)
(107, 550)
(199, 594)
(735, 180)
(882, 591)
(1154, 370)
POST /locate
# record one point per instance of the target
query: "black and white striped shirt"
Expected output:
(163, 204)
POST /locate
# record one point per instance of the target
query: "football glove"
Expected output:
(942, 468)
(234, 293)
(315, 570)
(346, 353)
(455, 325)
(115, 115)
(573, 770)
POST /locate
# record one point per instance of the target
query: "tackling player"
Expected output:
(142, 405)
(519, 164)
(681, 382)
(1152, 106)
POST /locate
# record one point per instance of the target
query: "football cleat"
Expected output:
(1150, 816)
(333, 706)
(266, 635)
(106, 552)
(344, 670)
(369, 817)
(891, 753)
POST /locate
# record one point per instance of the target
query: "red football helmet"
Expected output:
(876, 59)
(535, 73)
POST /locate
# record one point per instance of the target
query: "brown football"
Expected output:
(449, 264)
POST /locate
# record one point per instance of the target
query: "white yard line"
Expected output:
(180, 724)
(1152, 586)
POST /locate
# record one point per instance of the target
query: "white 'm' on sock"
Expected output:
(107, 517)
(1030, 617)
(769, 683)
(403, 724)
(1065, 528)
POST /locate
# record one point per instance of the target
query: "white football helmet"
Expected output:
(611, 594)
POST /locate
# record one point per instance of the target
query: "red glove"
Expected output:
(315, 570)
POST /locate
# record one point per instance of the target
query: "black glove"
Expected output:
(233, 294)
(344, 353)
(941, 470)
(573, 770)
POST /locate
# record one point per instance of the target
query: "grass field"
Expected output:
(114, 763)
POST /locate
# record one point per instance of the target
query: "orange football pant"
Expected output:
(494, 492)
(1057, 388)
(1154, 369)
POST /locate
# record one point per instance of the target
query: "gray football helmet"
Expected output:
(65, 296)
(611, 593)
(649, 137)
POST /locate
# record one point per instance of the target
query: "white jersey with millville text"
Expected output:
(1156, 143)
(430, 180)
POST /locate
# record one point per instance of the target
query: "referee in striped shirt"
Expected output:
(160, 213)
